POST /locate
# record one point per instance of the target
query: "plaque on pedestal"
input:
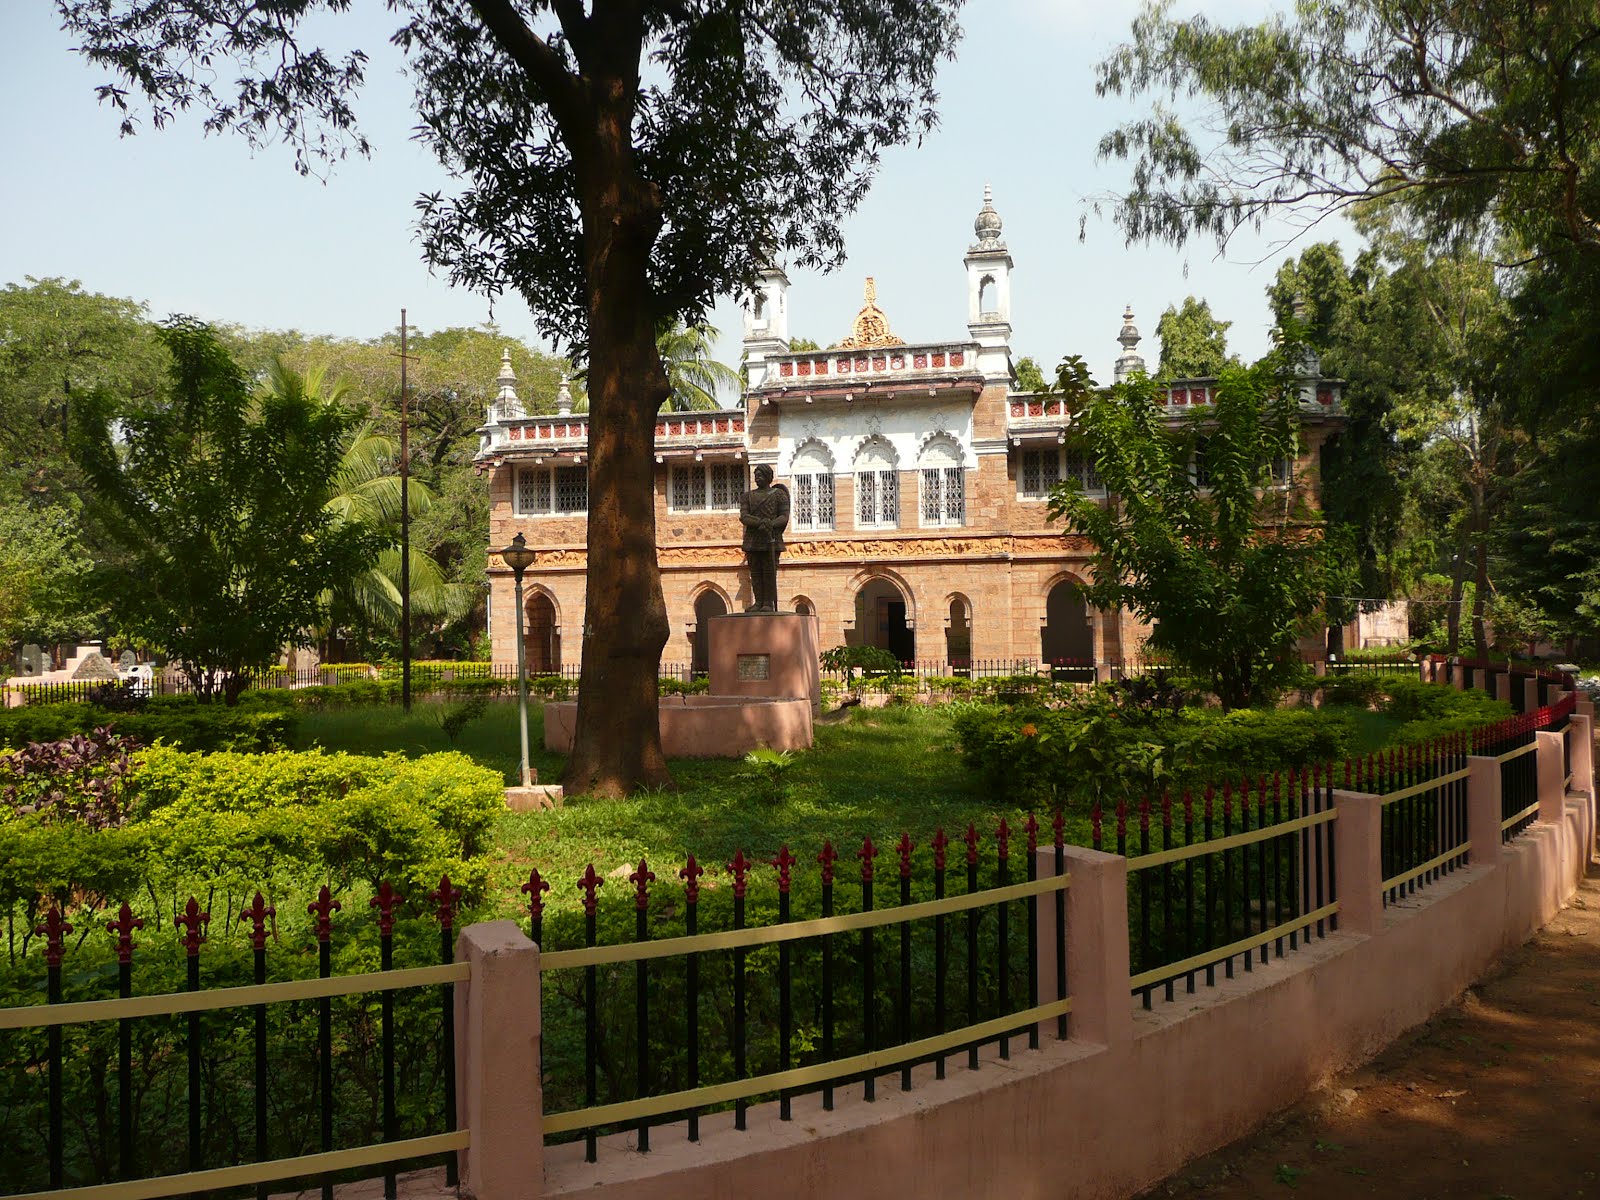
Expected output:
(765, 654)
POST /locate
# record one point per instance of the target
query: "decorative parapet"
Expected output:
(570, 434)
(1039, 413)
(845, 365)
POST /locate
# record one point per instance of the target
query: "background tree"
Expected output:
(58, 342)
(1194, 344)
(1465, 112)
(1228, 569)
(1028, 377)
(44, 569)
(218, 503)
(621, 166)
(695, 379)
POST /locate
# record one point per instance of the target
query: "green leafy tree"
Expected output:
(219, 504)
(44, 570)
(57, 343)
(801, 345)
(694, 377)
(620, 164)
(1195, 539)
(1194, 344)
(1028, 376)
(1464, 112)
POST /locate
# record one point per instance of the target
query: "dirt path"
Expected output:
(1497, 1098)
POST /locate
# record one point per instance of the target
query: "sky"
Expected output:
(200, 225)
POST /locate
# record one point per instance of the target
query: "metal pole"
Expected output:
(405, 531)
(522, 685)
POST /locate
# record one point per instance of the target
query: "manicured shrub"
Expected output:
(172, 720)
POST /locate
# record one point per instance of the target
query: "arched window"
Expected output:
(877, 486)
(811, 480)
(944, 488)
(986, 295)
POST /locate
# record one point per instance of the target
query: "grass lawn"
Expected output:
(876, 773)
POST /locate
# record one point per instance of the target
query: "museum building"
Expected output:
(918, 480)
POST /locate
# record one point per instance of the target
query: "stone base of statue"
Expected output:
(765, 654)
(765, 690)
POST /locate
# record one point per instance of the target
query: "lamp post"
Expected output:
(519, 558)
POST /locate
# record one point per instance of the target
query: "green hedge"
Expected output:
(172, 720)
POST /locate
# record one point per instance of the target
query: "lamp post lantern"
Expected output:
(519, 558)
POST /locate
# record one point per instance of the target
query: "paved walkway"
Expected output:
(1497, 1098)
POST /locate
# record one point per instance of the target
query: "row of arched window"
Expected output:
(941, 485)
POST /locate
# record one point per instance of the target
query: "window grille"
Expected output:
(878, 498)
(727, 484)
(943, 498)
(1080, 466)
(533, 491)
(572, 489)
(1041, 471)
(686, 486)
(867, 498)
(955, 496)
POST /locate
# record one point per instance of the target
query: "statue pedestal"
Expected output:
(765, 654)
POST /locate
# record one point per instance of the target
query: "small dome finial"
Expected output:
(564, 397)
(1131, 360)
(988, 224)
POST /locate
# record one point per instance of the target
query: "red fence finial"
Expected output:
(448, 900)
(690, 874)
(1058, 827)
(534, 889)
(257, 913)
(785, 866)
(1031, 828)
(740, 866)
(971, 838)
(323, 909)
(905, 846)
(588, 883)
(827, 858)
(940, 843)
(123, 927)
(193, 922)
(1002, 836)
(55, 930)
(866, 854)
(641, 880)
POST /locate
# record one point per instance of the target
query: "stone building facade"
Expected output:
(918, 479)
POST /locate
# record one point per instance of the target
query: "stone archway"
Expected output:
(883, 619)
(958, 635)
(709, 603)
(1068, 632)
(541, 638)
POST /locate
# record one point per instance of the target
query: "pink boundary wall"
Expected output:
(1131, 1096)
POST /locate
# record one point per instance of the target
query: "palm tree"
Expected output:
(366, 489)
(693, 376)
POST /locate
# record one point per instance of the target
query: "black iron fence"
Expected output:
(238, 1081)
(1226, 877)
(736, 995)
(1424, 833)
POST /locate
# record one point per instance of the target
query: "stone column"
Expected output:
(1483, 811)
(498, 1095)
(1358, 843)
(1580, 729)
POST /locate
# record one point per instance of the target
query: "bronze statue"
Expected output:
(764, 513)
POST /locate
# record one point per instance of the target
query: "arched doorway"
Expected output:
(541, 641)
(1068, 635)
(882, 620)
(707, 605)
(958, 636)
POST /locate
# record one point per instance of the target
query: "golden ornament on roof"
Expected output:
(871, 325)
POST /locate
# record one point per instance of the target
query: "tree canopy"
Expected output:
(621, 165)
(1198, 538)
(1194, 344)
(1467, 113)
(217, 500)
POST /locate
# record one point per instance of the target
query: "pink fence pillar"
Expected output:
(1530, 693)
(1551, 775)
(499, 1100)
(1580, 731)
(1097, 945)
(1358, 843)
(1483, 811)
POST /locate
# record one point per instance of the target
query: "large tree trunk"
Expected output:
(617, 742)
(1480, 581)
(1458, 576)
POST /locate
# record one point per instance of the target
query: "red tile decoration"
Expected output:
(958, 358)
(786, 369)
(1325, 396)
(898, 362)
(805, 367)
(938, 359)
(844, 366)
(879, 364)
(861, 364)
(822, 367)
